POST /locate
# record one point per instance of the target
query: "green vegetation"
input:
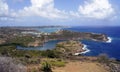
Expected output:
(11, 50)
(7, 50)
(46, 67)
(28, 56)
(51, 53)
(55, 62)
(22, 41)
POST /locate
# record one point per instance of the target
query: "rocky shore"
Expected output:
(70, 47)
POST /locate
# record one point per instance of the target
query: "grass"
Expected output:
(58, 63)
(55, 62)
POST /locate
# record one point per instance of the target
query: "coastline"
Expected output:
(85, 50)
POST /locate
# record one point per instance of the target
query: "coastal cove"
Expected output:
(52, 44)
(111, 48)
(93, 48)
(47, 45)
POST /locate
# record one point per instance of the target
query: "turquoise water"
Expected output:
(48, 30)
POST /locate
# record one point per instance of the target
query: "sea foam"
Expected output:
(109, 40)
(84, 48)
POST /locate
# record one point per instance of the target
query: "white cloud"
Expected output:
(99, 9)
(43, 8)
(41, 3)
(3, 8)
(6, 13)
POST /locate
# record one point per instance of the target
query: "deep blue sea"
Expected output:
(112, 49)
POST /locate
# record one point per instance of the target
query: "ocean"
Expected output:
(94, 48)
(111, 48)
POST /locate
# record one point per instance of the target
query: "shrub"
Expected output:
(46, 67)
(103, 58)
(50, 54)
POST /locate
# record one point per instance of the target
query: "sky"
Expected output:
(59, 12)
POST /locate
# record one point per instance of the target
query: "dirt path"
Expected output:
(33, 68)
(81, 67)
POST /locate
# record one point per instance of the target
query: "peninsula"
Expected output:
(29, 37)
(70, 47)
